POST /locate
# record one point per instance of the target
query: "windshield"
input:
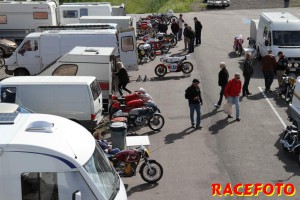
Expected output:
(286, 38)
(102, 173)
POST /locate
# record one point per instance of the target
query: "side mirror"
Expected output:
(76, 195)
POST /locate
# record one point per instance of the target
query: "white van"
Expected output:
(40, 49)
(75, 98)
(279, 31)
(50, 157)
(89, 61)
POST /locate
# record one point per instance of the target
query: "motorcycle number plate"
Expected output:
(173, 67)
(292, 69)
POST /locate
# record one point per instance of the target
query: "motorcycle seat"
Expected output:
(138, 111)
(175, 59)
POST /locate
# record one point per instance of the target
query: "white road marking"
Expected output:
(276, 113)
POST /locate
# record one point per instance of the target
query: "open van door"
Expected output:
(127, 46)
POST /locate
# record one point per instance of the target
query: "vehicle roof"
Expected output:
(103, 51)
(282, 17)
(67, 139)
(73, 32)
(105, 17)
(45, 80)
(8, 107)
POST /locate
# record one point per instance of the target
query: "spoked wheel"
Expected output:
(187, 67)
(289, 95)
(152, 55)
(160, 70)
(2, 62)
(153, 173)
(173, 41)
(156, 122)
(165, 49)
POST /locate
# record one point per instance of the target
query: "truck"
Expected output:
(278, 31)
(50, 157)
(89, 61)
(75, 98)
(41, 49)
(19, 18)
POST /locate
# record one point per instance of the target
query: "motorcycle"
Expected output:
(286, 89)
(2, 62)
(290, 140)
(173, 64)
(126, 162)
(145, 53)
(141, 117)
(161, 43)
(238, 44)
(146, 27)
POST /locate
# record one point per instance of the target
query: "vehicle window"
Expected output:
(83, 12)
(286, 38)
(29, 45)
(66, 70)
(8, 94)
(96, 90)
(127, 43)
(54, 186)
(70, 14)
(40, 15)
(3, 19)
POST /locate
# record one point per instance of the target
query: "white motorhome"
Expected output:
(294, 107)
(88, 61)
(75, 98)
(40, 49)
(121, 21)
(278, 31)
(71, 12)
(18, 18)
(50, 157)
(118, 10)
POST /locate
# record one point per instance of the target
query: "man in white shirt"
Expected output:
(180, 22)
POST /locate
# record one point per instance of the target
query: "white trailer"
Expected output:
(41, 49)
(119, 10)
(71, 12)
(88, 61)
(18, 18)
(50, 157)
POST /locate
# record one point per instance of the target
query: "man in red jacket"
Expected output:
(232, 93)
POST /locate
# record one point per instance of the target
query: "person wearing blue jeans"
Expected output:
(235, 101)
(193, 94)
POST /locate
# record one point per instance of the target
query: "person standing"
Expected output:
(180, 22)
(175, 28)
(247, 73)
(198, 29)
(268, 64)
(232, 93)
(281, 67)
(186, 37)
(193, 94)
(222, 81)
(191, 34)
(123, 78)
(162, 27)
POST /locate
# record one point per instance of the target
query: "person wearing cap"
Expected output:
(232, 93)
(222, 81)
(281, 67)
(180, 22)
(198, 29)
(268, 66)
(193, 94)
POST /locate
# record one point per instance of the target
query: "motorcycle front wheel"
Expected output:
(289, 95)
(160, 70)
(165, 49)
(173, 41)
(187, 67)
(152, 55)
(156, 122)
(151, 175)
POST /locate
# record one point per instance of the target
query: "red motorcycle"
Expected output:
(173, 64)
(126, 162)
(163, 45)
(145, 27)
(169, 38)
(238, 44)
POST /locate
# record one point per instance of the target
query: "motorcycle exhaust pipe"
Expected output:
(286, 144)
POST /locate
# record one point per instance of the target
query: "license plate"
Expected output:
(292, 69)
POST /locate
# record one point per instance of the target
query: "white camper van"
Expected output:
(71, 12)
(50, 157)
(18, 18)
(38, 50)
(75, 98)
(88, 61)
(279, 31)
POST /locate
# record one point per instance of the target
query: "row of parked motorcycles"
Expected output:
(286, 89)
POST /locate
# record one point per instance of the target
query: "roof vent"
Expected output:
(40, 126)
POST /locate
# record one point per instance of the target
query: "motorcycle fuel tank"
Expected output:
(128, 156)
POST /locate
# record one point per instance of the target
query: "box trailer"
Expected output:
(40, 49)
(89, 61)
(49, 157)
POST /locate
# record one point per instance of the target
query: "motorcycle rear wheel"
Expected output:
(154, 175)
(160, 70)
(152, 55)
(174, 41)
(165, 49)
(156, 122)
(187, 67)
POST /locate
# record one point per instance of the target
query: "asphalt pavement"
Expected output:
(224, 151)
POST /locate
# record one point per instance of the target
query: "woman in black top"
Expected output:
(222, 82)
(123, 78)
